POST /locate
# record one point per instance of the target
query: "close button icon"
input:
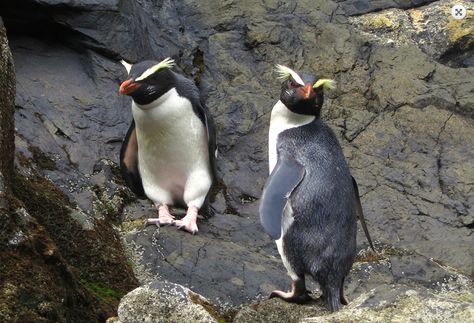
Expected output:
(458, 11)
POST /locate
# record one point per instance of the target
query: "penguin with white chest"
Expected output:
(168, 154)
(310, 202)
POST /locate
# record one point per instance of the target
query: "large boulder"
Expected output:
(165, 302)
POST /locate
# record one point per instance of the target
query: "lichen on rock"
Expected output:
(403, 112)
(163, 302)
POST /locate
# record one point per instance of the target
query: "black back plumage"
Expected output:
(186, 88)
(323, 203)
(321, 238)
(310, 202)
(129, 163)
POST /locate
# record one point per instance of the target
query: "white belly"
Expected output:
(286, 222)
(173, 157)
(282, 119)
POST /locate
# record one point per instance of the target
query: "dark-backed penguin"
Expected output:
(310, 202)
(168, 154)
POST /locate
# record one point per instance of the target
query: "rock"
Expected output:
(36, 280)
(394, 287)
(432, 28)
(56, 261)
(208, 261)
(403, 112)
(276, 310)
(409, 306)
(358, 7)
(7, 105)
(164, 302)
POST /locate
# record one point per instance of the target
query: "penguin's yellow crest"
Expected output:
(326, 83)
(284, 73)
(166, 63)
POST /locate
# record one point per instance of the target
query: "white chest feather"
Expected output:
(282, 119)
(172, 143)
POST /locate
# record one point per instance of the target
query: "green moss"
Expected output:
(103, 293)
(131, 225)
(92, 255)
(111, 208)
(459, 29)
(41, 159)
(212, 309)
(383, 252)
(380, 22)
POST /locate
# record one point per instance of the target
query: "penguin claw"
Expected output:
(188, 223)
(164, 217)
(158, 221)
(186, 226)
(147, 222)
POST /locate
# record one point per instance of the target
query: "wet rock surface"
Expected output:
(405, 287)
(403, 112)
(230, 260)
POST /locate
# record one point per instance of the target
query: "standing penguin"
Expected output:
(168, 154)
(310, 202)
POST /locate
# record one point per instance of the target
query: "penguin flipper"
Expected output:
(360, 213)
(211, 141)
(186, 88)
(284, 178)
(129, 162)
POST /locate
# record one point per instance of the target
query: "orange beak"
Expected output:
(307, 91)
(128, 87)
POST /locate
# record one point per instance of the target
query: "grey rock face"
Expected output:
(7, 105)
(403, 113)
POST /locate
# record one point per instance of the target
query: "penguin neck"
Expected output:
(167, 95)
(282, 119)
(159, 114)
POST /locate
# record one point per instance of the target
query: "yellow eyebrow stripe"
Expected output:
(284, 73)
(326, 83)
(166, 63)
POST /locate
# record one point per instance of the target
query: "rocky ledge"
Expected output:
(403, 112)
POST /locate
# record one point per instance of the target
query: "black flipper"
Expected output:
(360, 213)
(284, 178)
(129, 162)
(211, 137)
(186, 88)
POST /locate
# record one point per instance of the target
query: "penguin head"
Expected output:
(302, 93)
(148, 80)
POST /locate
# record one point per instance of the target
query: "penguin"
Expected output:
(310, 202)
(168, 154)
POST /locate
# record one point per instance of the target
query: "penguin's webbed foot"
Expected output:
(299, 293)
(164, 217)
(189, 222)
(291, 297)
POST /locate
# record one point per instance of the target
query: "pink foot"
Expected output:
(281, 294)
(298, 293)
(188, 223)
(164, 217)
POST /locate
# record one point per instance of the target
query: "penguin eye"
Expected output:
(293, 83)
